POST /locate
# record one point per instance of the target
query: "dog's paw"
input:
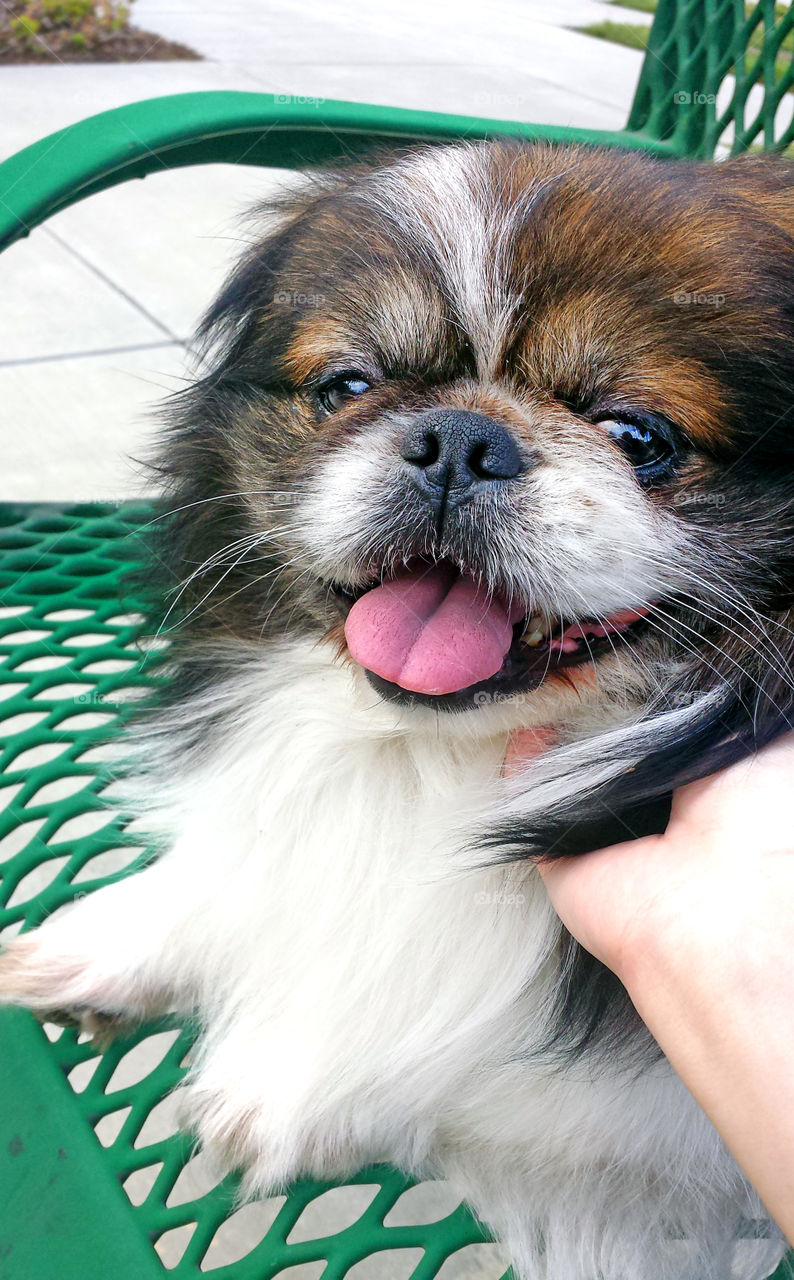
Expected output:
(34, 974)
(226, 1125)
(238, 1135)
(59, 987)
(101, 1025)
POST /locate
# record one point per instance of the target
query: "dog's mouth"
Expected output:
(432, 634)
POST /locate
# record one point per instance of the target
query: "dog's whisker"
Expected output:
(248, 543)
(757, 632)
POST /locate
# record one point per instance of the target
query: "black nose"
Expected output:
(456, 451)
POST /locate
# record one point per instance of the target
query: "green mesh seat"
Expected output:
(95, 1181)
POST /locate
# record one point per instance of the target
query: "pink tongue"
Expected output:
(430, 631)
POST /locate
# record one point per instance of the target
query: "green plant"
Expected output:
(67, 12)
(626, 33)
(639, 6)
(38, 26)
(24, 31)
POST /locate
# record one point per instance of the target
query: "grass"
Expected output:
(633, 36)
(625, 33)
(639, 6)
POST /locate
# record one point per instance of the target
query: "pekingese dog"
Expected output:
(492, 437)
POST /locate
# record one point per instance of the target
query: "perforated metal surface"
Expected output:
(718, 74)
(70, 656)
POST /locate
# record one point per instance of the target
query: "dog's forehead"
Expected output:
(558, 270)
(419, 262)
(561, 269)
(449, 205)
(487, 245)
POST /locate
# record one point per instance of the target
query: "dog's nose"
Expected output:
(455, 450)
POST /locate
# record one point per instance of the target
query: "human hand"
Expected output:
(723, 869)
(698, 923)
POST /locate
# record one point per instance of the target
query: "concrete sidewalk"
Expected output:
(98, 303)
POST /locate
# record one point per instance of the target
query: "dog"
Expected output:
(491, 438)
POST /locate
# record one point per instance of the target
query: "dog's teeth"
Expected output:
(536, 629)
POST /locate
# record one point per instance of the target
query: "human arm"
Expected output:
(698, 924)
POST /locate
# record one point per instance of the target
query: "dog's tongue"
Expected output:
(431, 631)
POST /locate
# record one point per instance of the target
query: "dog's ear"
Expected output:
(251, 302)
(289, 236)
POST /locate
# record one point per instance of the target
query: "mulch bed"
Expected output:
(130, 45)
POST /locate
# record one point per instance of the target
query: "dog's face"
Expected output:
(500, 419)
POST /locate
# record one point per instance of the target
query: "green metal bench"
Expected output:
(89, 1187)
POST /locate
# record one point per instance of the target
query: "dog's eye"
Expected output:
(341, 388)
(648, 444)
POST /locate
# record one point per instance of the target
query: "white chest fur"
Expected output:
(368, 992)
(374, 997)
